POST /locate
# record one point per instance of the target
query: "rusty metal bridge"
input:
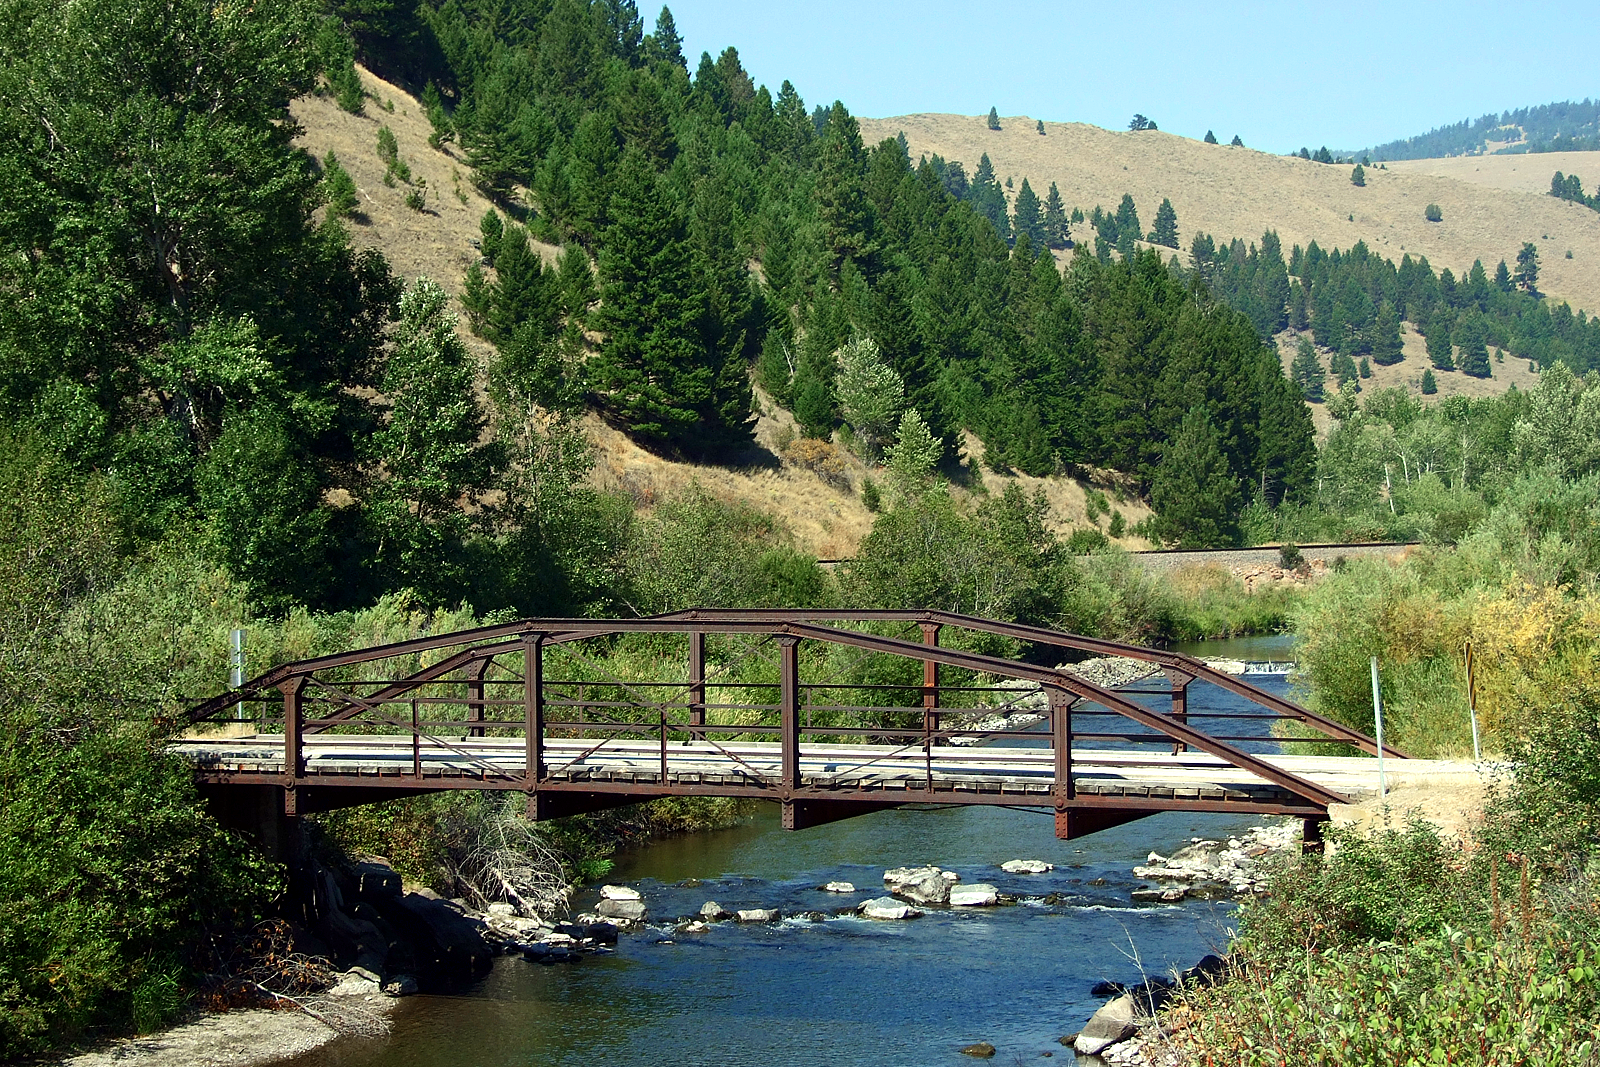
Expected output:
(829, 713)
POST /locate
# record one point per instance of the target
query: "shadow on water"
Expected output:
(844, 991)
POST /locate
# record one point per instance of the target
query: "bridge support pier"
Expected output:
(804, 814)
(1311, 842)
(258, 812)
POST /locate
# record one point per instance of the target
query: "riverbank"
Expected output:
(251, 1038)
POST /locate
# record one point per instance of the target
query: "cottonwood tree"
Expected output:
(913, 456)
(871, 395)
(432, 459)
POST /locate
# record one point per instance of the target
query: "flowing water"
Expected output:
(844, 992)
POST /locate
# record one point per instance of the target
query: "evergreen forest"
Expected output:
(1567, 126)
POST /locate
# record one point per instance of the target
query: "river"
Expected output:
(844, 992)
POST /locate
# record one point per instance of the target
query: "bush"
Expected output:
(110, 874)
(1290, 557)
(1433, 214)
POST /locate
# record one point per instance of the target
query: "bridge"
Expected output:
(829, 713)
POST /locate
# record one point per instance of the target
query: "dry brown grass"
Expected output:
(814, 490)
(1491, 205)
(1407, 374)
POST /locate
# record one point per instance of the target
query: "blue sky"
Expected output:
(1280, 75)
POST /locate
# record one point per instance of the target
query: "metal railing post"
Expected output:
(476, 712)
(697, 683)
(1179, 681)
(789, 712)
(294, 762)
(1061, 744)
(533, 708)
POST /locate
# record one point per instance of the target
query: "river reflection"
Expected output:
(841, 992)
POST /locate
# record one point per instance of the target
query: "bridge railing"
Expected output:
(520, 706)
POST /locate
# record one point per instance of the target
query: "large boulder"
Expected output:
(619, 892)
(976, 895)
(711, 911)
(447, 946)
(920, 885)
(887, 908)
(758, 915)
(1026, 866)
(622, 910)
(1116, 1021)
(375, 880)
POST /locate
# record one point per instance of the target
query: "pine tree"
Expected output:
(1041, 127)
(1387, 345)
(840, 190)
(1528, 268)
(1364, 368)
(665, 45)
(1440, 350)
(1299, 315)
(1474, 351)
(1195, 496)
(1026, 217)
(913, 456)
(1166, 231)
(1430, 385)
(1211, 138)
(1502, 278)
(651, 371)
(1358, 176)
(1322, 155)
(433, 103)
(1236, 142)
(340, 188)
(1344, 368)
(1056, 233)
(994, 119)
(1127, 223)
(1306, 371)
(523, 293)
(1305, 153)
(491, 228)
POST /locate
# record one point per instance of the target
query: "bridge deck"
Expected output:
(962, 775)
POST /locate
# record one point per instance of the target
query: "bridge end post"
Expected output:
(697, 683)
(533, 708)
(1179, 680)
(789, 712)
(1061, 703)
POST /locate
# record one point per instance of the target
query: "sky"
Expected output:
(1280, 75)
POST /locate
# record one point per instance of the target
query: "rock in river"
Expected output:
(976, 895)
(711, 911)
(982, 1050)
(622, 910)
(887, 908)
(1116, 1021)
(839, 887)
(619, 892)
(759, 915)
(920, 885)
(1026, 866)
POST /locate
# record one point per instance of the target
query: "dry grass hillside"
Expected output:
(814, 489)
(1239, 192)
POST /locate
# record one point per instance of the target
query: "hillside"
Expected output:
(1513, 131)
(1239, 192)
(818, 497)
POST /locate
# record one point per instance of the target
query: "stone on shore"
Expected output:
(887, 908)
(619, 892)
(622, 910)
(758, 915)
(983, 1050)
(1026, 867)
(1116, 1021)
(920, 885)
(711, 911)
(976, 895)
(401, 985)
(839, 887)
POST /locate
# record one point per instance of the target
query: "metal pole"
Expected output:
(697, 684)
(1377, 714)
(1472, 705)
(789, 713)
(236, 666)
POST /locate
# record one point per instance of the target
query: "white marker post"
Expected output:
(236, 666)
(1472, 705)
(1377, 713)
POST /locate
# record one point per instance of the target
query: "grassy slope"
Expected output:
(826, 514)
(1489, 208)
